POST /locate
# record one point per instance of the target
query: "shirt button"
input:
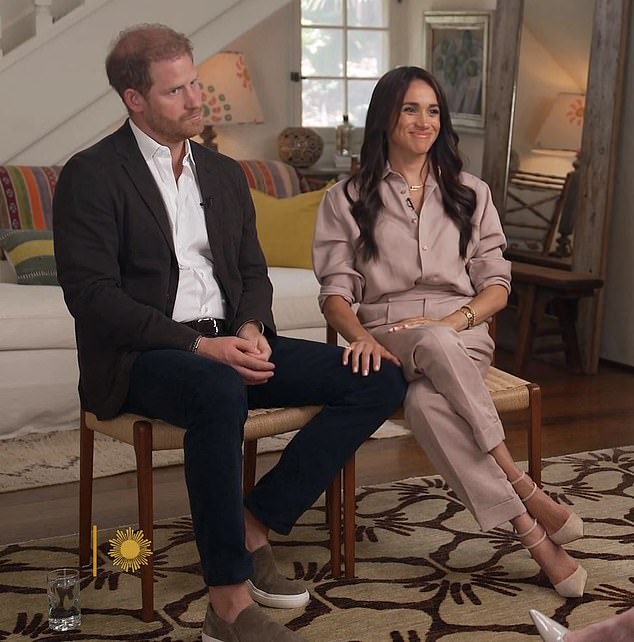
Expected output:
(414, 220)
(402, 191)
(425, 248)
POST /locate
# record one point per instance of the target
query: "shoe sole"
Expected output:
(276, 601)
(207, 638)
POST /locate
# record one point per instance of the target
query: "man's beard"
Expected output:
(177, 131)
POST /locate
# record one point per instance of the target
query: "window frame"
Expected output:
(345, 78)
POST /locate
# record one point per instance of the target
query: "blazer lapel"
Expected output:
(135, 166)
(212, 204)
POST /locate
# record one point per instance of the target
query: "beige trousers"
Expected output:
(450, 412)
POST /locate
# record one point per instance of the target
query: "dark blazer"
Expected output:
(117, 267)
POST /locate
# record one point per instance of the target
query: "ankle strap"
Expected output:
(528, 547)
(529, 531)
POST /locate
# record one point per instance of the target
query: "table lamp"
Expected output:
(562, 127)
(229, 97)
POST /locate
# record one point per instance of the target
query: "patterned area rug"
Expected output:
(53, 458)
(425, 573)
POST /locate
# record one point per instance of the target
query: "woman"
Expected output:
(418, 244)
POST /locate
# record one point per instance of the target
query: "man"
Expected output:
(161, 268)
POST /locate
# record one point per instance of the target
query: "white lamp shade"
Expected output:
(229, 97)
(561, 130)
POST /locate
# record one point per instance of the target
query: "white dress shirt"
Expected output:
(198, 294)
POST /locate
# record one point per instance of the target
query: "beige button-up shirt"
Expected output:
(419, 255)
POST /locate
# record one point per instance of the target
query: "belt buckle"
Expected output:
(212, 322)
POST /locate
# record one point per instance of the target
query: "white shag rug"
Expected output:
(53, 458)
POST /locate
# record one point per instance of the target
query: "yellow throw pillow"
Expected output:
(286, 227)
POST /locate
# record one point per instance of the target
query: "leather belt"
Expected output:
(208, 326)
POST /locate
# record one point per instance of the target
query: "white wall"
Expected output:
(268, 51)
(471, 140)
(65, 66)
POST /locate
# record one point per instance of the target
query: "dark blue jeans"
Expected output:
(210, 401)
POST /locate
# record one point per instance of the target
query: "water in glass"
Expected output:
(64, 613)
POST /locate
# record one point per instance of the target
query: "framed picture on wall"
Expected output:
(456, 45)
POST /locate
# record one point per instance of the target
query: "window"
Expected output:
(345, 50)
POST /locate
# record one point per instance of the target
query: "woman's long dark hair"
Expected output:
(384, 110)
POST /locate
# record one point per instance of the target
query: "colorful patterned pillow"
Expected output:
(274, 178)
(30, 253)
(26, 196)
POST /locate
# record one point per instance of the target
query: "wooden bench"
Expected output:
(536, 287)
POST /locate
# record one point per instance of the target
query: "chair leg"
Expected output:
(86, 450)
(535, 433)
(248, 465)
(143, 452)
(349, 516)
(566, 310)
(526, 327)
(334, 519)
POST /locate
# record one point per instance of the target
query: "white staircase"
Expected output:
(55, 95)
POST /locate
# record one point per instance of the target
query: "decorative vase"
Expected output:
(299, 146)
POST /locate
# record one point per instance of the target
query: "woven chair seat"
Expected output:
(260, 423)
(508, 392)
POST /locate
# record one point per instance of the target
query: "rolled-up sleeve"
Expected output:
(336, 235)
(488, 266)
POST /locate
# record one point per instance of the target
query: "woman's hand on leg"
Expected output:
(365, 354)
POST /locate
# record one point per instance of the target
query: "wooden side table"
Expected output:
(536, 286)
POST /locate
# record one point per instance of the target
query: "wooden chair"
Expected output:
(537, 286)
(147, 435)
(508, 392)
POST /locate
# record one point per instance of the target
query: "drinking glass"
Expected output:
(64, 613)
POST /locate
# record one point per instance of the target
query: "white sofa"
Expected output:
(38, 359)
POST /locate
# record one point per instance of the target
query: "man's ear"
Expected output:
(133, 100)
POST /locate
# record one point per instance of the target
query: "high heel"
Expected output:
(571, 530)
(571, 586)
(549, 630)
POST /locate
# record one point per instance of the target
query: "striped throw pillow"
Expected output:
(30, 254)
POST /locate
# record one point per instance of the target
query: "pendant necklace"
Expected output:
(416, 188)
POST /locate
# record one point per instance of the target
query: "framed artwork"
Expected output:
(456, 45)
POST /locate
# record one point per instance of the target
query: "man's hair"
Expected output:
(135, 48)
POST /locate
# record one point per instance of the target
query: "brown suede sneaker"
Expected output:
(252, 625)
(269, 588)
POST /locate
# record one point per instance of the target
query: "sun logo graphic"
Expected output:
(129, 549)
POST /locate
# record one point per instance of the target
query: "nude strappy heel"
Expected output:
(572, 528)
(571, 586)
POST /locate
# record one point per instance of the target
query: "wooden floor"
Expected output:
(579, 413)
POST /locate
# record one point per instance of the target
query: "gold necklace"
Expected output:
(415, 188)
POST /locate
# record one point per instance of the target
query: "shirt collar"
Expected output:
(389, 171)
(150, 148)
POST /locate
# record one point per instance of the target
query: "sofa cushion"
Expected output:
(31, 255)
(26, 196)
(286, 227)
(34, 318)
(37, 318)
(295, 299)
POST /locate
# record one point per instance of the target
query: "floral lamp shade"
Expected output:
(229, 97)
(561, 130)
